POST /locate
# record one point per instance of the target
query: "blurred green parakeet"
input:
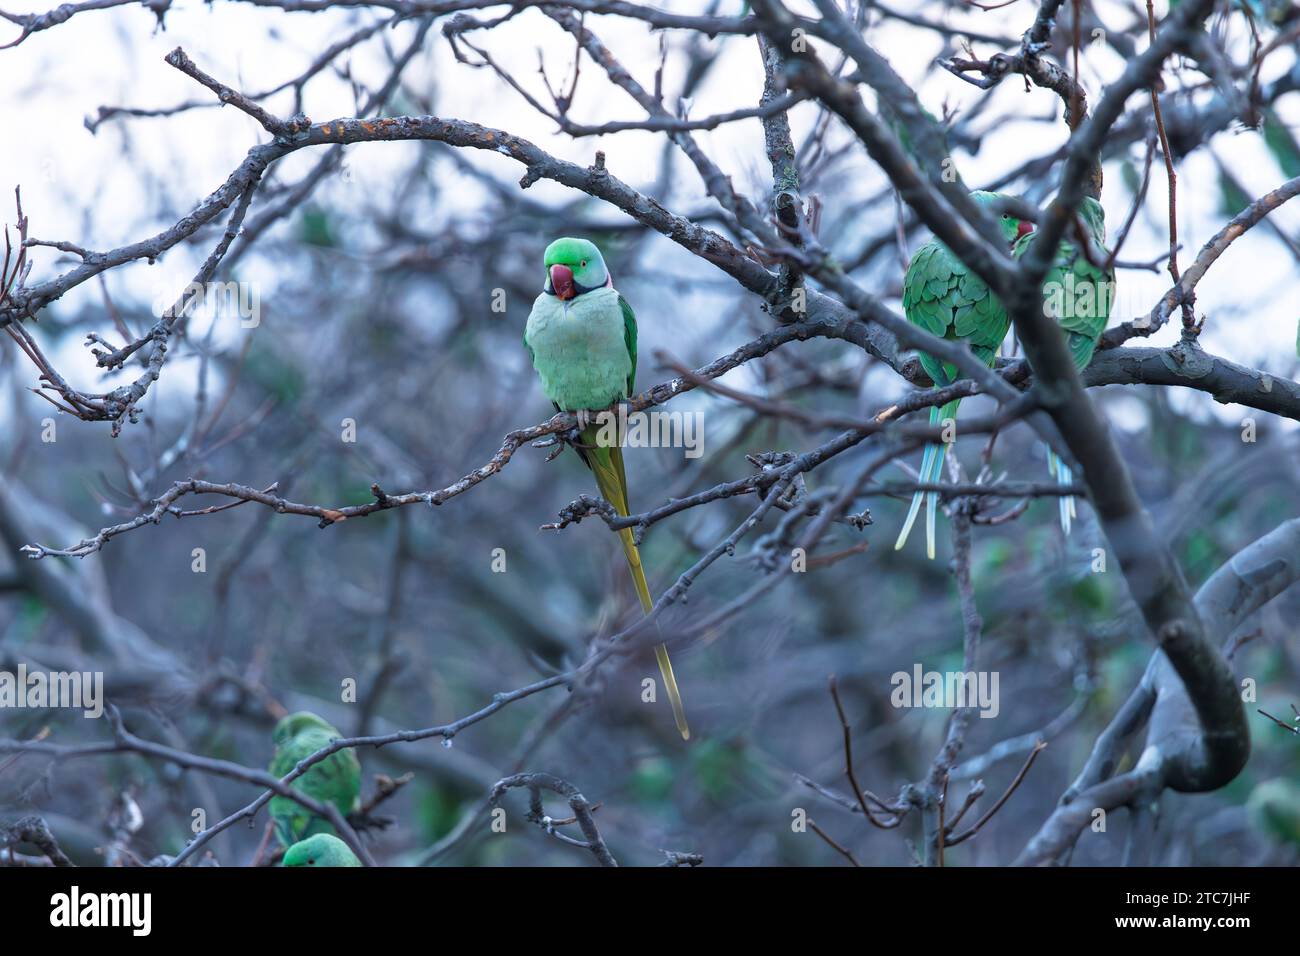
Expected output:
(944, 297)
(581, 336)
(336, 779)
(905, 137)
(323, 849)
(1274, 809)
(1078, 292)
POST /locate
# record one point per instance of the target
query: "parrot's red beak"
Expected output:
(562, 282)
(1024, 229)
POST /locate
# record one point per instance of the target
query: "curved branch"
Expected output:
(1246, 582)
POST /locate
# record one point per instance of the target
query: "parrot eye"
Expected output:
(582, 264)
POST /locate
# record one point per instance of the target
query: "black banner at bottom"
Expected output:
(336, 906)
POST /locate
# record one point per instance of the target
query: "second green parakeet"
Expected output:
(1078, 292)
(336, 779)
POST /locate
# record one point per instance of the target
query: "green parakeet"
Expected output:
(944, 297)
(336, 779)
(1274, 809)
(905, 137)
(581, 336)
(1078, 293)
(323, 849)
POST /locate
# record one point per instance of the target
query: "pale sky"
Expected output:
(81, 187)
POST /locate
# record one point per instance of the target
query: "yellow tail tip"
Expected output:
(674, 695)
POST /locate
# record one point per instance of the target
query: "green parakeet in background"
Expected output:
(905, 137)
(581, 336)
(1078, 292)
(336, 779)
(323, 849)
(944, 297)
(1274, 809)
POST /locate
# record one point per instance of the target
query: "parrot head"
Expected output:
(574, 266)
(1094, 217)
(291, 726)
(1012, 228)
(320, 850)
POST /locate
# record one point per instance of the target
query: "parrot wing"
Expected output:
(944, 297)
(1082, 292)
(629, 339)
(932, 284)
(336, 780)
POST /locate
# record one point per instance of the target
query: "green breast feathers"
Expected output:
(580, 348)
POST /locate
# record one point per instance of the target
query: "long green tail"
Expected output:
(1064, 476)
(607, 465)
(931, 473)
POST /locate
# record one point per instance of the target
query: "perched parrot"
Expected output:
(336, 779)
(323, 849)
(947, 299)
(1078, 292)
(581, 336)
